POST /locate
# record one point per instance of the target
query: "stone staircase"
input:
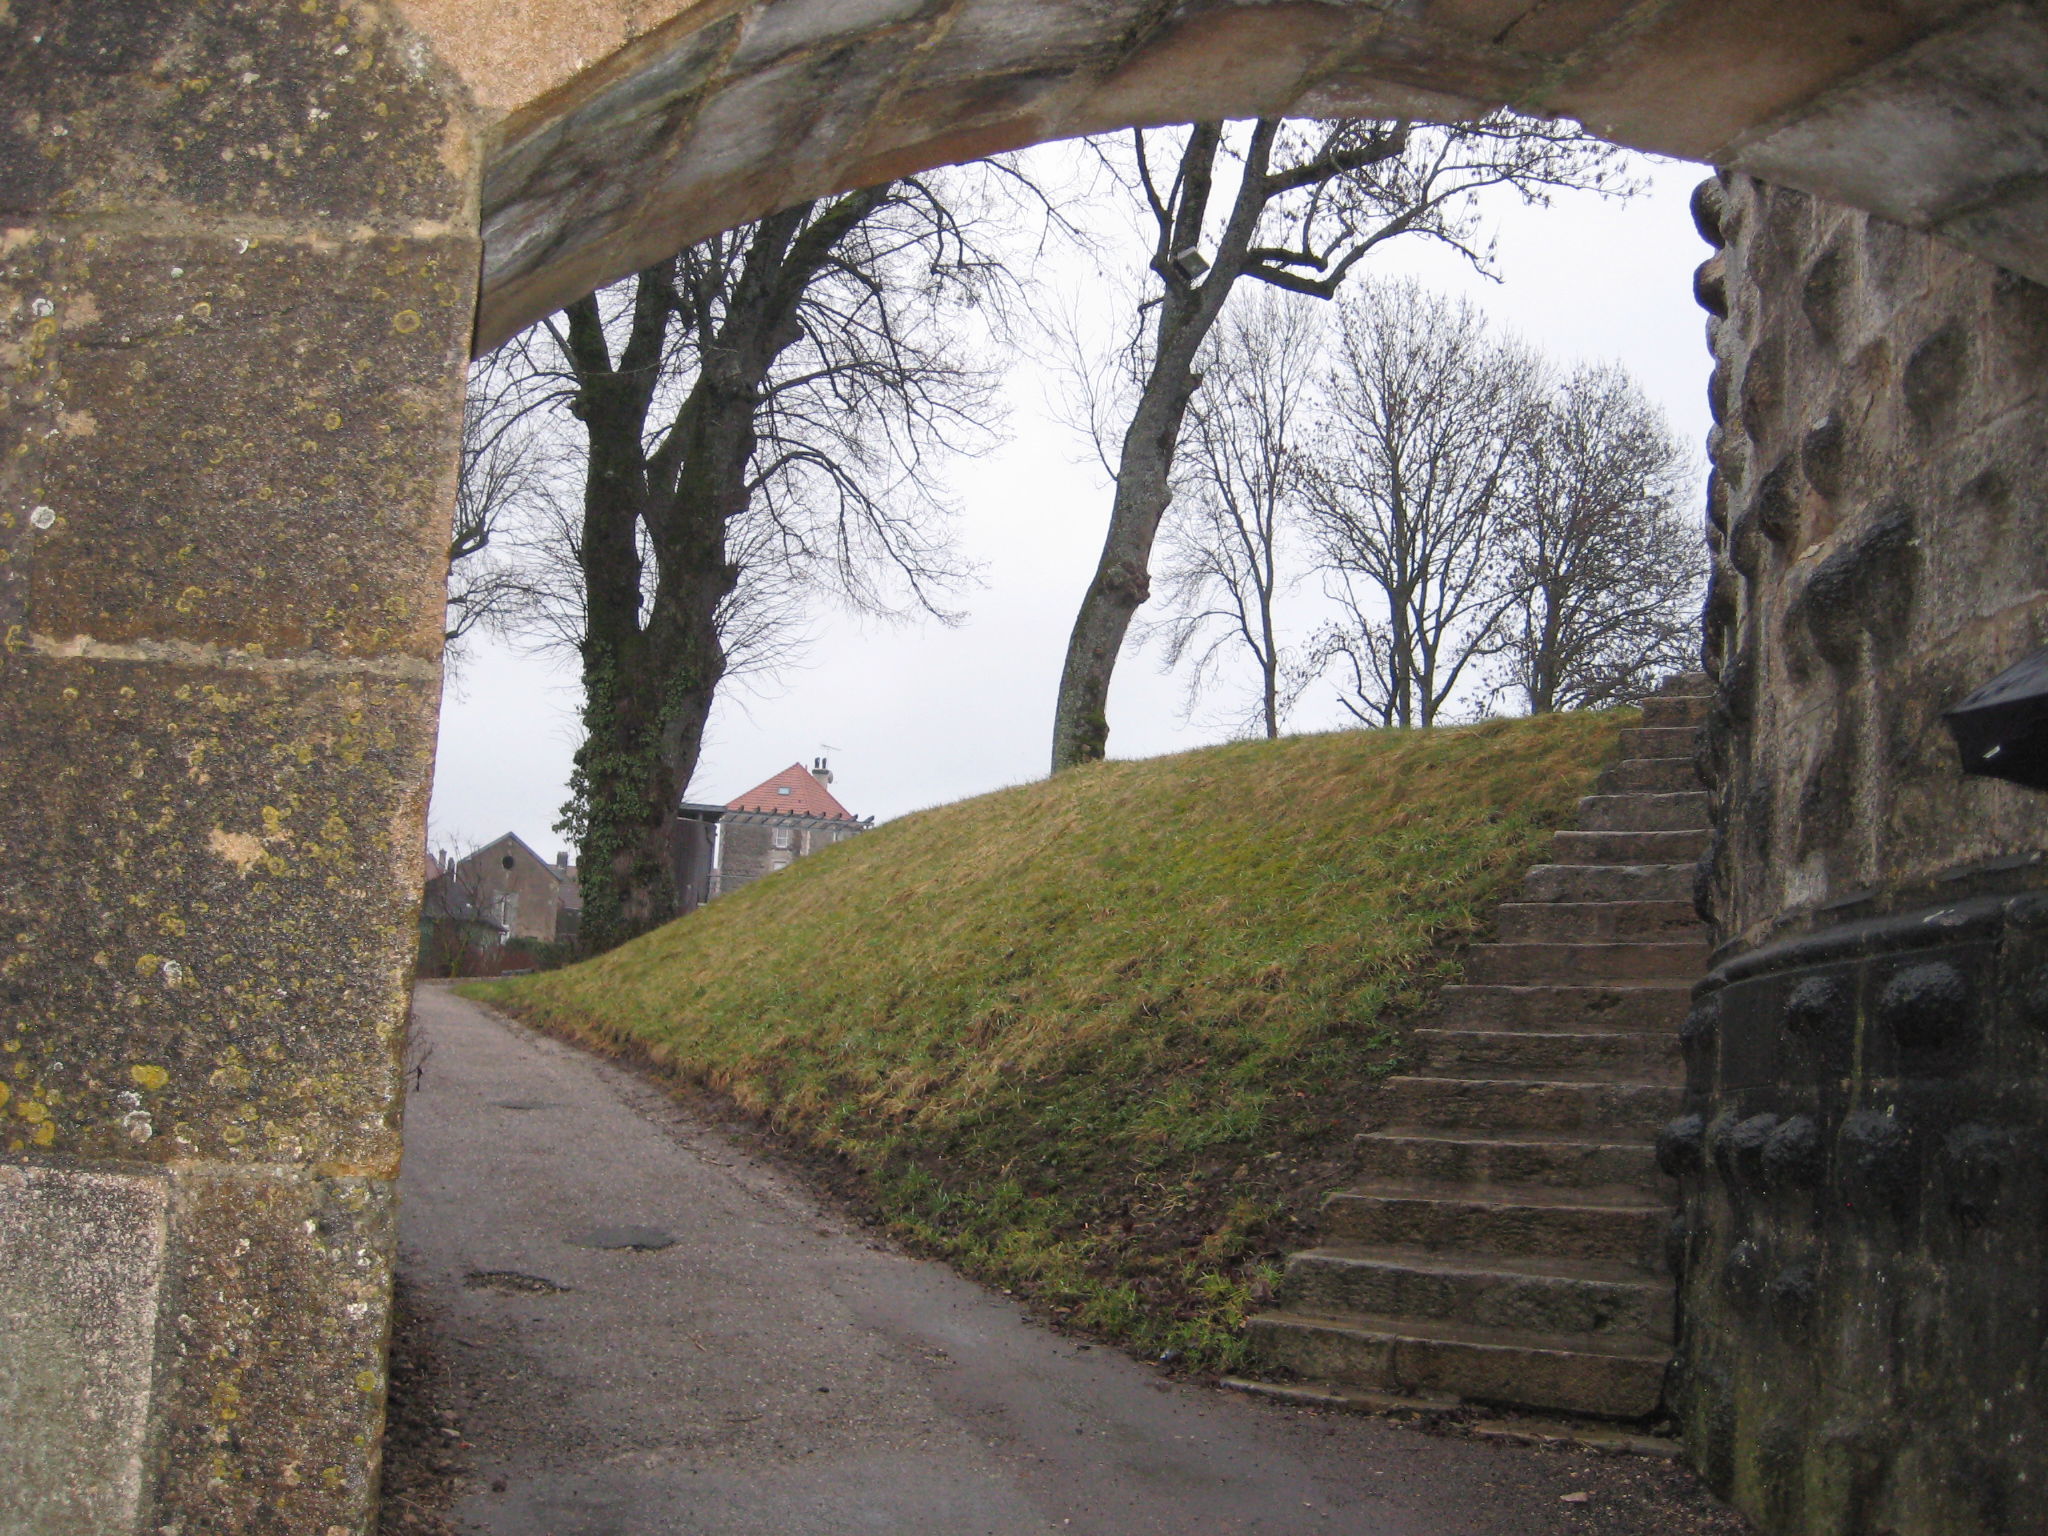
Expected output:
(1507, 1245)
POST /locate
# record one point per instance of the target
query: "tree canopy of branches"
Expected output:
(502, 473)
(1476, 513)
(1224, 563)
(1409, 492)
(1600, 544)
(1295, 206)
(756, 413)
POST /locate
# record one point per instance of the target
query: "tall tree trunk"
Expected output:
(1144, 486)
(622, 796)
(1269, 655)
(649, 683)
(1080, 731)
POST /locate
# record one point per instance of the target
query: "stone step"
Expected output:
(1611, 882)
(1574, 1009)
(1512, 964)
(1677, 709)
(1659, 740)
(1610, 1111)
(1558, 1296)
(1687, 682)
(1504, 1159)
(1512, 1223)
(1680, 811)
(1596, 922)
(1421, 1359)
(1628, 847)
(1637, 1056)
(1649, 775)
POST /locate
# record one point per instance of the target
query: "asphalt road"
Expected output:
(758, 1363)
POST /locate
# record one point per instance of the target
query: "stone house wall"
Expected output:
(528, 897)
(747, 847)
(1861, 1244)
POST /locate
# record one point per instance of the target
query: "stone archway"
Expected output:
(238, 251)
(711, 114)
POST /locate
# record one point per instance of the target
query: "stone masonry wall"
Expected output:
(1862, 1244)
(237, 269)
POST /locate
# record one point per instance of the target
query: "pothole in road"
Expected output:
(638, 1239)
(511, 1282)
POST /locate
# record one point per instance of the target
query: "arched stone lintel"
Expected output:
(1928, 113)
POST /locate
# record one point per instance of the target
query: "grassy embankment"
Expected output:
(1103, 1040)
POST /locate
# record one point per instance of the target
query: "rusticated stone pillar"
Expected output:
(237, 270)
(1865, 1323)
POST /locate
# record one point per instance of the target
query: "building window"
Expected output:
(777, 861)
(782, 837)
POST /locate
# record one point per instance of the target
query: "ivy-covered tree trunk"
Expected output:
(652, 655)
(652, 663)
(620, 799)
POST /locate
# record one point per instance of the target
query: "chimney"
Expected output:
(561, 861)
(820, 772)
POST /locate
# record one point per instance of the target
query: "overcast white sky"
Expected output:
(915, 715)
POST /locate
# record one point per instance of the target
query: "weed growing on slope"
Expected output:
(1103, 1040)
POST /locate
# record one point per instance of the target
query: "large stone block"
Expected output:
(316, 109)
(207, 883)
(1948, 134)
(81, 1262)
(181, 475)
(270, 1405)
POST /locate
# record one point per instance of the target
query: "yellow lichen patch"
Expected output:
(6, 1093)
(149, 1076)
(44, 1133)
(406, 321)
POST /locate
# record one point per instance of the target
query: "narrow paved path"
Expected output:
(774, 1369)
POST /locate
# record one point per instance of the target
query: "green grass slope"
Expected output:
(1105, 1039)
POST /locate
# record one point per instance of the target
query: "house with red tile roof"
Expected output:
(776, 823)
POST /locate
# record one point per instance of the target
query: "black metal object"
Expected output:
(2002, 729)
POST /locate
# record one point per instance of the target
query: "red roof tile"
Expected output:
(806, 797)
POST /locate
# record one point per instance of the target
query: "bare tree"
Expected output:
(1410, 490)
(1224, 565)
(1309, 202)
(1601, 544)
(501, 477)
(756, 417)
